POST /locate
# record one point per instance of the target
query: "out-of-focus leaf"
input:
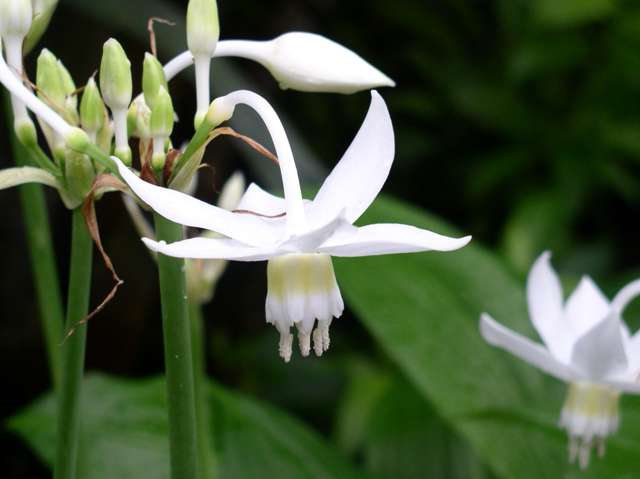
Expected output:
(125, 431)
(423, 309)
(572, 12)
(536, 224)
(398, 433)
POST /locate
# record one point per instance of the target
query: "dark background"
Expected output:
(516, 122)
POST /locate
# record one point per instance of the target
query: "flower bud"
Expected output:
(51, 88)
(162, 115)
(70, 112)
(203, 27)
(77, 140)
(105, 137)
(42, 13)
(15, 18)
(309, 62)
(92, 109)
(219, 111)
(152, 79)
(79, 174)
(138, 118)
(115, 76)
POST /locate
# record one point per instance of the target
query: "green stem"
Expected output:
(206, 457)
(178, 357)
(43, 260)
(73, 350)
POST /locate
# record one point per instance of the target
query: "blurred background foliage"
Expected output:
(516, 120)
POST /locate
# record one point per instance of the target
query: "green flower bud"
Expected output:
(139, 118)
(79, 174)
(152, 79)
(162, 115)
(77, 140)
(115, 76)
(26, 132)
(203, 27)
(42, 13)
(51, 88)
(15, 18)
(70, 112)
(105, 137)
(92, 109)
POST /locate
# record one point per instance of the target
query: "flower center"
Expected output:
(302, 288)
(589, 415)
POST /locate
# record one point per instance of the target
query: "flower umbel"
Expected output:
(586, 344)
(298, 237)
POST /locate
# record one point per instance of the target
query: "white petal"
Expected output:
(625, 296)
(358, 178)
(210, 248)
(310, 240)
(525, 349)
(259, 201)
(189, 211)
(586, 307)
(544, 296)
(625, 386)
(600, 352)
(383, 238)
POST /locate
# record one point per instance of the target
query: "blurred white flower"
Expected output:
(298, 237)
(586, 344)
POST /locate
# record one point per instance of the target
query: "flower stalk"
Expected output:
(43, 264)
(178, 357)
(206, 457)
(73, 350)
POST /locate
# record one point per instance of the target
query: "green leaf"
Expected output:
(423, 309)
(397, 432)
(572, 12)
(125, 435)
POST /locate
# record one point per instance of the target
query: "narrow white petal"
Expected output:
(383, 238)
(600, 352)
(189, 211)
(586, 307)
(292, 194)
(358, 178)
(525, 349)
(259, 201)
(544, 296)
(210, 248)
(625, 296)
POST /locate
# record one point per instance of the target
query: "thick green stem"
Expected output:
(206, 457)
(73, 350)
(43, 262)
(178, 357)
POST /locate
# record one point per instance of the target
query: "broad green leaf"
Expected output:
(125, 435)
(423, 309)
(396, 431)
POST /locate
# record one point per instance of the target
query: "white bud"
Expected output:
(15, 17)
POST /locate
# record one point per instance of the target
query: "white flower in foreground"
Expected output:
(300, 61)
(586, 344)
(298, 237)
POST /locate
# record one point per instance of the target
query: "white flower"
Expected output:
(300, 61)
(586, 344)
(298, 237)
